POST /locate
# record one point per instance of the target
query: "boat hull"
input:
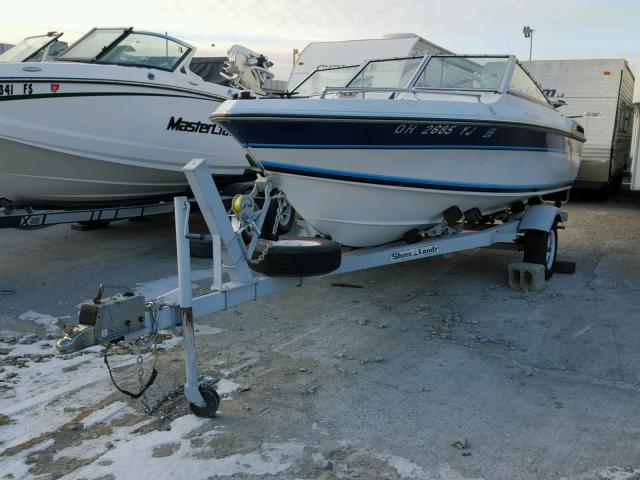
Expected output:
(88, 141)
(47, 178)
(365, 171)
(339, 199)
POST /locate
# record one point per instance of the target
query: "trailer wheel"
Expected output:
(211, 400)
(297, 257)
(286, 222)
(542, 248)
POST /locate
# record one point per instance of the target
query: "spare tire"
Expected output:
(297, 257)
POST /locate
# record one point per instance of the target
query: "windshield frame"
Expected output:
(52, 36)
(125, 33)
(522, 95)
(341, 67)
(504, 81)
(412, 79)
(410, 85)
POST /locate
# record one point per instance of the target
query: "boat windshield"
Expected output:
(315, 83)
(89, 47)
(35, 49)
(128, 48)
(463, 73)
(393, 73)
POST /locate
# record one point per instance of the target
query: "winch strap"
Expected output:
(152, 378)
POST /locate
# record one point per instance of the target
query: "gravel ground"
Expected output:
(433, 369)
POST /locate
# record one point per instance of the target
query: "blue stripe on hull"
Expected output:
(404, 147)
(331, 133)
(360, 177)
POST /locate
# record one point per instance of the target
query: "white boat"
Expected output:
(111, 121)
(405, 140)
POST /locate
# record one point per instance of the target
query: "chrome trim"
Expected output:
(414, 90)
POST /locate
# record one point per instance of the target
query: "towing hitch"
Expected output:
(103, 320)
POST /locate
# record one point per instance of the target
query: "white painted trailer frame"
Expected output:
(179, 307)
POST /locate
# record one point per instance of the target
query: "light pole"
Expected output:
(528, 33)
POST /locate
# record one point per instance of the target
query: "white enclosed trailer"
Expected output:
(635, 143)
(599, 94)
(354, 52)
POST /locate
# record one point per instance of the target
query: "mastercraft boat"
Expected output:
(407, 139)
(110, 121)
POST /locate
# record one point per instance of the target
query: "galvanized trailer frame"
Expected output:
(179, 307)
(29, 219)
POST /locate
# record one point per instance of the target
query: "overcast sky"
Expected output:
(563, 28)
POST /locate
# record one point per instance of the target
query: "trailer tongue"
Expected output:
(237, 254)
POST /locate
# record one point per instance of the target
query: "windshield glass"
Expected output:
(27, 48)
(92, 45)
(112, 46)
(394, 73)
(145, 51)
(315, 83)
(463, 73)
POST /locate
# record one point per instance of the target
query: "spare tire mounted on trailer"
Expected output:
(296, 257)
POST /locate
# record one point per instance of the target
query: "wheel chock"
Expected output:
(564, 267)
(526, 276)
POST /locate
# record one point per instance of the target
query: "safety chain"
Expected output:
(276, 224)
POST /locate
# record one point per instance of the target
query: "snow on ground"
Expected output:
(50, 392)
(170, 454)
(226, 387)
(608, 473)
(15, 468)
(106, 414)
(48, 321)
(404, 467)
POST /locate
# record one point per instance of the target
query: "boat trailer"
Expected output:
(129, 316)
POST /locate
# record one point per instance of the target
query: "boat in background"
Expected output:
(406, 140)
(111, 121)
(38, 48)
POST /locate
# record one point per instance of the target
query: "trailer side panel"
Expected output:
(593, 91)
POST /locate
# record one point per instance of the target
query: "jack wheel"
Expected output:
(211, 403)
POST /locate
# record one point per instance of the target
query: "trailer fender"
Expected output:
(539, 217)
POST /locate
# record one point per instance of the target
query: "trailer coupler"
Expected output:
(104, 320)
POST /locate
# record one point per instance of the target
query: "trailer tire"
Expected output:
(298, 257)
(542, 248)
(286, 222)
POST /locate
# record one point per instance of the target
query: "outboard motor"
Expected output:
(247, 69)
